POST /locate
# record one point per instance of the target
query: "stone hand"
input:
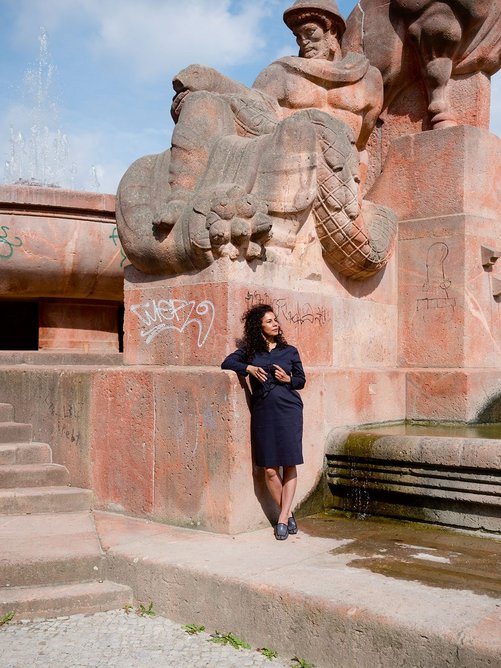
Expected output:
(281, 375)
(257, 372)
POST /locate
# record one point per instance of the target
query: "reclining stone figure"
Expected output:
(248, 164)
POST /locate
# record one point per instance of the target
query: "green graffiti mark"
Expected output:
(114, 237)
(123, 256)
(7, 245)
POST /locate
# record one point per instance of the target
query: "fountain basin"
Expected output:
(60, 249)
(421, 473)
(58, 243)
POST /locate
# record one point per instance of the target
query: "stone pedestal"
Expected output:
(445, 187)
(195, 320)
(195, 464)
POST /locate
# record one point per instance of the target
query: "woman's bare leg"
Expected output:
(289, 484)
(274, 484)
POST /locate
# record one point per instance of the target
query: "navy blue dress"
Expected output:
(277, 408)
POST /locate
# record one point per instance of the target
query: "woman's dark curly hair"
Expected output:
(253, 340)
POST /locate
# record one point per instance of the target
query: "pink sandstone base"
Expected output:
(118, 431)
(444, 186)
(78, 325)
(61, 248)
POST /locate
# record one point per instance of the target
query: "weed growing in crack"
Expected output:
(143, 611)
(192, 629)
(8, 617)
(229, 639)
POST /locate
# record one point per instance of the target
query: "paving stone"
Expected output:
(117, 639)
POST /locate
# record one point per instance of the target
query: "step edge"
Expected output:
(62, 489)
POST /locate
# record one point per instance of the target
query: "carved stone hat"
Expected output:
(325, 9)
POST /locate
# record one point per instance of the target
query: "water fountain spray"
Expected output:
(38, 156)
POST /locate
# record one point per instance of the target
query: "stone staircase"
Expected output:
(51, 560)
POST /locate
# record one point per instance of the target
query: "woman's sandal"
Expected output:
(281, 531)
(291, 525)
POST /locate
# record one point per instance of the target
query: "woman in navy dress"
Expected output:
(276, 373)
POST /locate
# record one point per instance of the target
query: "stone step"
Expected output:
(32, 475)
(25, 453)
(30, 500)
(6, 413)
(15, 432)
(74, 566)
(46, 549)
(62, 600)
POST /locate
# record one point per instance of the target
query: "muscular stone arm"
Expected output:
(271, 81)
(374, 106)
(203, 78)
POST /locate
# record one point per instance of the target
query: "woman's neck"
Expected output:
(271, 341)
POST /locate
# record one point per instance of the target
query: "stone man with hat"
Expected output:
(267, 149)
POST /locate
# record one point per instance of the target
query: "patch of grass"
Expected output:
(229, 639)
(301, 663)
(8, 617)
(268, 653)
(191, 629)
(143, 611)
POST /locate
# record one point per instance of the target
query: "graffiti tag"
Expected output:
(114, 237)
(7, 245)
(297, 314)
(156, 316)
(436, 286)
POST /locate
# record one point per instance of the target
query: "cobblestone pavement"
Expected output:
(117, 639)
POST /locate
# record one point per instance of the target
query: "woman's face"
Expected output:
(269, 325)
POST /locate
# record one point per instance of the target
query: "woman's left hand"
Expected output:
(281, 375)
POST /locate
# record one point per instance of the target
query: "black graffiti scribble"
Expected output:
(296, 315)
(437, 284)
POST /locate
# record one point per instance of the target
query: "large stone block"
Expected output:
(449, 210)
(364, 334)
(356, 396)
(121, 440)
(448, 314)
(193, 320)
(87, 326)
(451, 171)
(198, 322)
(454, 395)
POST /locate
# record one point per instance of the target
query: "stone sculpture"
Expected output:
(248, 164)
(433, 39)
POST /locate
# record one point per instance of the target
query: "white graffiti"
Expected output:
(158, 315)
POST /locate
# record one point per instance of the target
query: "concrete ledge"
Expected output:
(448, 480)
(302, 596)
(43, 358)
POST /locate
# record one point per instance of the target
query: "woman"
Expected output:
(276, 373)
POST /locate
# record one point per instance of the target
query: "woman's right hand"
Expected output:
(257, 372)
